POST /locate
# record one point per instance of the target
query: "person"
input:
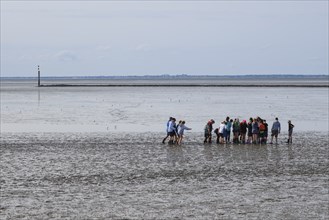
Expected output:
(228, 129)
(216, 131)
(249, 141)
(236, 130)
(207, 131)
(276, 128)
(290, 129)
(164, 139)
(176, 131)
(172, 130)
(255, 131)
(266, 131)
(181, 129)
(262, 129)
(221, 131)
(243, 131)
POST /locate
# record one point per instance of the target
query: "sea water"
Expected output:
(96, 153)
(27, 108)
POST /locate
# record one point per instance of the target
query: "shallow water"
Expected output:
(135, 176)
(27, 108)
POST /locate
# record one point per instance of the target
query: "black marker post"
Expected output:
(38, 76)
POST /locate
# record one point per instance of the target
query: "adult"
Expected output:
(276, 128)
(243, 131)
(221, 131)
(266, 131)
(164, 139)
(249, 141)
(228, 130)
(255, 131)
(262, 129)
(236, 131)
(207, 131)
(172, 130)
(290, 129)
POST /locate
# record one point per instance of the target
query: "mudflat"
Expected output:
(134, 175)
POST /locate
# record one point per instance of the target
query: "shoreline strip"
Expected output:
(183, 85)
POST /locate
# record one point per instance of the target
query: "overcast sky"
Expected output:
(80, 38)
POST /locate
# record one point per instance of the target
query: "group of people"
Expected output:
(255, 131)
(175, 132)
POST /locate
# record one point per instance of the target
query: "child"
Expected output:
(181, 129)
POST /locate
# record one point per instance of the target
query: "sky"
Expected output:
(113, 38)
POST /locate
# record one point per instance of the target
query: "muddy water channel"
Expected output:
(135, 176)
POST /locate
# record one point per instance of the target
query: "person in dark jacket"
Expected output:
(290, 129)
(207, 131)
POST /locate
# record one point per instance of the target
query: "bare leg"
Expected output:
(164, 139)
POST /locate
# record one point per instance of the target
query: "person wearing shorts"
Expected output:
(181, 129)
(172, 130)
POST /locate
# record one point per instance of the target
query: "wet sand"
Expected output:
(135, 176)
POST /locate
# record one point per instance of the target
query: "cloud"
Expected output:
(66, 56)
(143, 47)
(25, 58)
(104, 48)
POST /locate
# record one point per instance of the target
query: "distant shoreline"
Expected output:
(169, 77)
(182, 85)
(307, 81)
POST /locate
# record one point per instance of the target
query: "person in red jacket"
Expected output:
(243, 131)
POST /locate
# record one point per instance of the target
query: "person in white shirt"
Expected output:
(172, 130)
(181, 129)
(221, 129)
(164, 139)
